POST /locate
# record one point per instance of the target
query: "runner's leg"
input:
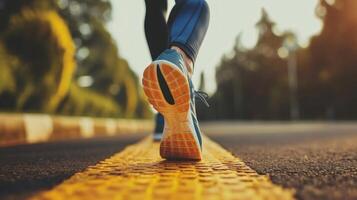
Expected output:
(156, 32)
(188, 24)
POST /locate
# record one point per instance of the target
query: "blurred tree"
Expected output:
(8, 8)
(252, 83)
(202, 85)
(7, 81)
(96, 56)
(333, 60)
(44, 47)
(94, 104)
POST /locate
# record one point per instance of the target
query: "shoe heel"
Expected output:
(178, 141)
(177, 85)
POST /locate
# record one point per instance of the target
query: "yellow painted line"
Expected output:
(138, 172)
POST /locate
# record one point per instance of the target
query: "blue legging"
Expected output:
(186, 27)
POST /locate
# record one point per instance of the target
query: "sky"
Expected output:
(229, 18)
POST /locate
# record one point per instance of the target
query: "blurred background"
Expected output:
(261, 60)
(58, 57)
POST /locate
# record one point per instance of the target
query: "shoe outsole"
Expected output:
(178, 140)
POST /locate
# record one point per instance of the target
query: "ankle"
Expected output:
(186, 59)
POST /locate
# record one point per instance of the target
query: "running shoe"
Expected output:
(170, 90)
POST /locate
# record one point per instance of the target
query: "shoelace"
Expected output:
(203, 96)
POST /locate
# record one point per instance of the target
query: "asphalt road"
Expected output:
(319, 162)
(27, 169)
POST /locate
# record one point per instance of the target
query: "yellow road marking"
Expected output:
(138, 172)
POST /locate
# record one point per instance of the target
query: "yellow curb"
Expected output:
(138, 172)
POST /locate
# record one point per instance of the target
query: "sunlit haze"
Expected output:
(228, 19)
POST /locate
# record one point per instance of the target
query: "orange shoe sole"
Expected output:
(178, 141)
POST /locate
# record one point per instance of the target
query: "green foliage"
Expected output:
(98, 56)
(7, 82)
(81, 101)
(330, 84)
(37, 58)
(252, 83)
(37, 73)
(44, 58)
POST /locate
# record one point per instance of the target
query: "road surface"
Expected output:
(319, 161)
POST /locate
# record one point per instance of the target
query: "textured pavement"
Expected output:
(319, 163)
(138, 172)
(27, 169)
